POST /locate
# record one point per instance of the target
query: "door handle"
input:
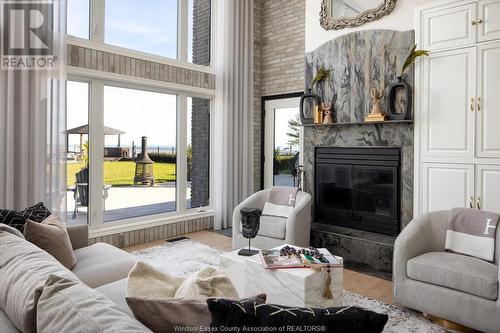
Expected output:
(479, 104)
(478, 203)
(471, 202)
(480, 21)
(473, 22)
(472, 104)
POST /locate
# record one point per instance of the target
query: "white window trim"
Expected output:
(96, 127)
(97, 30)
(98, 79)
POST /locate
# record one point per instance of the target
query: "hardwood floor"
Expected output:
(359, 283)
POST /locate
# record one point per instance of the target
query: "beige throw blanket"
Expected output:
(472, 232)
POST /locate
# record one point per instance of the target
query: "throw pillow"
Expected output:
(17, 219)
(24, 269)
(208, 282)
(250, 316)
(51, 235)
(147, 281)
(71, 306)
(11, 230)
(168, 315)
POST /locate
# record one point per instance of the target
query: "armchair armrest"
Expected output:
(426, 233)
(298, 226)
(256, 200)
(79, 235)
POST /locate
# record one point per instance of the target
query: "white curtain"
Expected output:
(32, 126)
(233, 63)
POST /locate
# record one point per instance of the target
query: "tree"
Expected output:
(294, 131)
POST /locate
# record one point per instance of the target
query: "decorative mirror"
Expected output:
(340, 14)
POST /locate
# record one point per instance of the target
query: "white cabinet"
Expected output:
(457, 106)
(450, 27)
(446, 186)
(488, 101)
(448, 103)
(488, 188)
(488, 20)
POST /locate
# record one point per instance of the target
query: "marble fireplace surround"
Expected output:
(360, 60)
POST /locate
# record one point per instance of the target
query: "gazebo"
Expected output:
(84, 129)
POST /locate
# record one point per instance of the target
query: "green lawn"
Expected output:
(122, 173)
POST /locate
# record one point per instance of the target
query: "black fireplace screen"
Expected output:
(358, 188)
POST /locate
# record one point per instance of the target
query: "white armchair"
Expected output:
(297, 227)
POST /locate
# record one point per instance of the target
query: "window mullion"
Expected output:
(97, 24)
(96, 148)
(181, 177)
(182, 30)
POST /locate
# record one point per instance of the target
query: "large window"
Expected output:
(139, 153)
(175, 29)
(78, 18)
(149, 25)
(77, 146)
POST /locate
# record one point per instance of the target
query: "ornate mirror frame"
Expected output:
(370, 15)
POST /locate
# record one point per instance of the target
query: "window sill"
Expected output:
(111, 228)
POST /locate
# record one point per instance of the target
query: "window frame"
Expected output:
(96, 40)
(97, 82)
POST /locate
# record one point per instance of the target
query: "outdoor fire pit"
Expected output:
(144, 173)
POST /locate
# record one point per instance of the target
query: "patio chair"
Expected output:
(81, 191)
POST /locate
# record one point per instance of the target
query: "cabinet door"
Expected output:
(446, 186)
(488, 188)
(449, 90)
(449, 27)
(488, 18)
(488, 101)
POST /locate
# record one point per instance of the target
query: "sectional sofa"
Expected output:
(97, 289)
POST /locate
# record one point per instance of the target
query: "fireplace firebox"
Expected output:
(358, 188)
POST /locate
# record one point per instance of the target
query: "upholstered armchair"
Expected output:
(295, 230)
(447, 285)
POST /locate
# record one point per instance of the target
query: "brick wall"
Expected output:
(79, 56)
(279, 47)
(200, 113)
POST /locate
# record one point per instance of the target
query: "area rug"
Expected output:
(185, 257)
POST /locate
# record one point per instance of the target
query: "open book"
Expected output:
(273, 259)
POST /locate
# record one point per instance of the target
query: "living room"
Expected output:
(249, 165)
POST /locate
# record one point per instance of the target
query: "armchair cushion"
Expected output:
(272, 226)
(455, 271)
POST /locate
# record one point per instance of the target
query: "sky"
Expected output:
(128, 23)
(151, 29)
(136, 112)
(281, 117)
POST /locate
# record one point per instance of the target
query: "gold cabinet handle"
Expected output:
(479, 104)
(471, 202)
(472, 104)
(478, 203)
(480, 21)
(473, 22)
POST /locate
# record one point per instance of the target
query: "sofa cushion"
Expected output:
(51, 236)
(117, 292)
(71, 306)
(455, 271)
(272, 226)
(101, 263)
(17, 219)
(6, 325)
(11, 230)
(23, 270)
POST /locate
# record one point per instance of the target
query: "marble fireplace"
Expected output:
(360, 61)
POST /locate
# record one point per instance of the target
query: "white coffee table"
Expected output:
(300, 287)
